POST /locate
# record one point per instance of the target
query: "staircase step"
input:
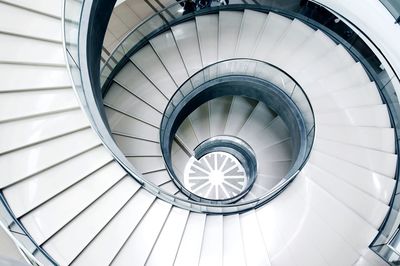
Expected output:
(212, 246)
(252, 24)
(149, 63)
(187, 41)
(167, 244)
(166, 48)
(229, 27)
(140, 243)
(190, 246)
(117, 231)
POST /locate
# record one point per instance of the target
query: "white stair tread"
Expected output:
(132, 79)
(381, 139)
(170, 187)
(140, 243)
(207, 31)
(187, 134)
(314, 47)
(277, 169)
(376, 185)
(253, 243)
(381, 162)
(36, 103)
(167, 244)
(336, 59)
(287, 238)
(188, 44)
(229, 27)
(39, 26)
(19, 133)
(166, 49)
(123, 124)
(257, 121)
(123, 100)
(368, 116)
(240, 110)
(190, 247)
(200, 121)
(281, 151)
(136, 147)
(179, 159)
(53, 8)
(346, 77)
(44, 155)
(219, 110)
(212, 246)
(252, 24)
(86, 226)
(274, 132)
(149, 63)
(275, 26)
(147, 164)
(158, 178)
(355, 97)
(369, 208)
(233, 253)
(44, 221)
(33, 191)
(296, 34)
(348, 224)
(30, 51)
(100, 252)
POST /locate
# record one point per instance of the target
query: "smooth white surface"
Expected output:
(190, 246)
(219, 110)
(86, 226)
(41, 156)
(141, 242)
(200, 121)
(148, 62)
(44, 221)
(252, 24)
(168, 242)
(30, 193)
(100, 251)
(188, 44)
(35, 103)
(19, 133)
(253, 243)
(212, 247)
(131, 78)
(241, 109)
(39, 26)
(276, 25)
(233, 244)
(229, 27)
(166, 48)
(207, 31)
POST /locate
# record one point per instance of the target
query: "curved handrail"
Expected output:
(289, 13)
(258, 67)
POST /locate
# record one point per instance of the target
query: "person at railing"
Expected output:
(204, 3)
(224, 2)
(189, 6)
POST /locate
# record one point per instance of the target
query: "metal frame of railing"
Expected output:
(386, 89)
(279, 97)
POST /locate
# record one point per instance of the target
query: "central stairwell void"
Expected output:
(238, 135)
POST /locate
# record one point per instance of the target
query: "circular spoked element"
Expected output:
(215, 176)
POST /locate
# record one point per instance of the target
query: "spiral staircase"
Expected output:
(73, 202)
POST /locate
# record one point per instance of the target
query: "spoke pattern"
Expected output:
(216, 176)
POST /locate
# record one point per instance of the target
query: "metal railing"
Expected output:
(393, 6)
(283, 94)
(314, 15)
